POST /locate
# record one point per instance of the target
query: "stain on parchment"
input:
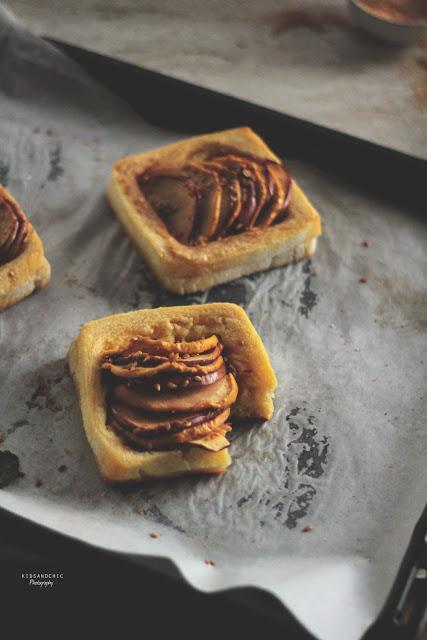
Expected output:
(159, 517)
(308, 298)
(235, 291)
(56, 169)
(43, 397)
(305, 461)
(9, 468)
(4, 173)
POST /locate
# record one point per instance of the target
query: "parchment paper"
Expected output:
(346, 449)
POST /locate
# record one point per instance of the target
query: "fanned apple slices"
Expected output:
(220, 196)
(163, 395)
(13, 231)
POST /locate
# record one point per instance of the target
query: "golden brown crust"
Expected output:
(118, 462)
(28, 271)
(185, 269)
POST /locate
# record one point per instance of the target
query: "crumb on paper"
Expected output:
(307, 528)
(363, 280)
(139, 509)
(365, 244)
(154, 535)
(38, 483)
(210, 563)
(62, 468)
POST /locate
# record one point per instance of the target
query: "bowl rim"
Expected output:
(384, 20)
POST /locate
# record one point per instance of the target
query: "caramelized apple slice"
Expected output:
(213, 441)
(180, 381)
(147, 424)
(242, 169)
(251, 174)
(209, 204)
(219, 395)
(16, 247)
(132, 371)
(231, 199)
(170, 440)
(278, 203)
(163, 347)
(174, 197)
(8, 226)
(141, 359)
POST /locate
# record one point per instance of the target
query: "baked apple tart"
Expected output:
(211, 209)
(158, 388)
(23, 266)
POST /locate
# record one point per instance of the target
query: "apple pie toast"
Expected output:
(23, 266)
(157, 388)
(212, 208)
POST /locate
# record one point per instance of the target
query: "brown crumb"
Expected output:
(49, 132)
(365, 244)
(157, 386)
(154, 535)
(36, 130)
(11, 273)
(62, 468)
(363, 280)
(211, 563)
(139, 509)
(38, 483)
(307, 528)
(67, 451)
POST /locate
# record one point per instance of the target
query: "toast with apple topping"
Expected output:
(159, 388)
(23, 266)
(212, 208)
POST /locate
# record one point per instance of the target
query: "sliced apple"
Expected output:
(179, 381)
(8, 226)
(209, 203)
(252, 187)
(169, 441)
(251, 172)
(231, 199)
(147, 423)
(175, 198)
(278, 203)
(213, 441)
(163, 347)
(132, 371)
(16, 247)
(281, 215)
(219, 395)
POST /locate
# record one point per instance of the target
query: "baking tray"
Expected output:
(373, 168)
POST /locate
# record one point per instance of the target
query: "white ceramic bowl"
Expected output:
(400, 33)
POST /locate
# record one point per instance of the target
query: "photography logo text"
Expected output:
(42, 580)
